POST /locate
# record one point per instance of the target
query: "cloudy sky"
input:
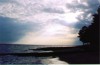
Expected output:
(44, 22)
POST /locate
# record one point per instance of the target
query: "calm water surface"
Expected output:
(10, 59)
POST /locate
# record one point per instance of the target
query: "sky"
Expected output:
(44, 22)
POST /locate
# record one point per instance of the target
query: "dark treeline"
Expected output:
(90, 35)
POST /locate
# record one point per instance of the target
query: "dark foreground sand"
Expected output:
(81, 58)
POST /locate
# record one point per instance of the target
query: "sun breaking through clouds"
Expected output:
(44, 22)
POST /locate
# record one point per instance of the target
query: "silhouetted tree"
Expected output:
(90, 34)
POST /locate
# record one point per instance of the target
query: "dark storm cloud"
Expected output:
(53, 10)
(5, 1)
(79, 25)
(88, 7)
(11, 30)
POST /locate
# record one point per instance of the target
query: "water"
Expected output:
(13, 59)
(9, 59)
(15, 48)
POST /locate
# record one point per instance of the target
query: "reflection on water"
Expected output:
(13, 59)
(9, 59)
(56, 60)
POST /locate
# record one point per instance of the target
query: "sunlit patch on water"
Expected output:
(9, 59)
(53, 61)
(13, 59)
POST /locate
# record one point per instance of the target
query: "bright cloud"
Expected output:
(55, 22)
